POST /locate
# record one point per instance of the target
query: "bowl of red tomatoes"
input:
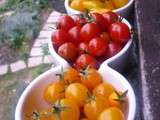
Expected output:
(91, 39)
(78, 95)
(122, 7)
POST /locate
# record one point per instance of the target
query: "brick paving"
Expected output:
(19, 65)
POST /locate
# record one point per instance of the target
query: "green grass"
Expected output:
(11, 86)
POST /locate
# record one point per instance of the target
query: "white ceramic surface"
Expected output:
(123, 11)
(117, 62)
(32, 97)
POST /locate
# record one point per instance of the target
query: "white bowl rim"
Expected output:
(66, 3)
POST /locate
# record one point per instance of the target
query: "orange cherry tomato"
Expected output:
(77, 92)
(90, 78)
(54, 91)
(94, 106)
(111, 113)
(104, 89)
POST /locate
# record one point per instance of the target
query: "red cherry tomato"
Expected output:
(66, 22)
(119, 32)
(68, 51)
(97, 47)
(84, 61)
(59, 37)
(83, 48)
(79, 20)
(89, 31)
(114, 48)
(74, 35)
(110, 17)
(105, 36)
(99, 19)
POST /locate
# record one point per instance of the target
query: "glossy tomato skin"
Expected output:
(84, 61)
(114, 48)
(90, 78)
(97, 47)
(95, 106)
(83, 48)
(79, 20)
(68, 51)
(66, 22)
(89, 31)
(59, 37)
(99, 19)
(111, 113)
(110, 17)
(77, 92)
(53, 92)
(119, 32)
(74, 35)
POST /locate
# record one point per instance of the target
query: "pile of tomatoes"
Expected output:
(97, 5)
(82, 95)
(88, 39)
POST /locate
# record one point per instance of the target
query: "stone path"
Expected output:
(37, 56)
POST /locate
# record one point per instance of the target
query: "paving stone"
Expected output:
(3, 69)
(45, 34)
(49, 27)
(52, 19)
(40, 42)
(55, 14)
(34, 61)
(36, 51)
(19, 65)
(48, 59)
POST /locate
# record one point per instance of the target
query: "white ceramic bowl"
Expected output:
(117, 62)
(123, 11)
(32, 97)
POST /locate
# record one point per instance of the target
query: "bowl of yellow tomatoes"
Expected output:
(122, 7)
(64, 93)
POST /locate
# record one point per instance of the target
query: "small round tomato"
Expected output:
(83, 48)
(74, 35)
(119, 32)
(110, 17)
(71, 76)
(65, 109)
(119, 3)
(99, 19)
(90, 78)
(116, 99)
(105, 36)
(83, 119)
(97, 47)
(77, 5)
(77, 92)
(111, 113)
(104, 89)
(68, 51)
(59, 37)
(84, 61)
(53, 92)
(94, 106)
(65, 22)
(79, 20)
(114, 48)
(89, 31)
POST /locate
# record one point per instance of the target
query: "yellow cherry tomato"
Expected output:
(99, 10)
(109, 5)
(77, 92)
(90, 78)
(71, 76)
(83, 119)
(119, 3)
(94, 106)
(77, 5)
(104, 89)
(89, 5)
(116, 99)
(111, 113)
(65, 109)
(54, 91)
